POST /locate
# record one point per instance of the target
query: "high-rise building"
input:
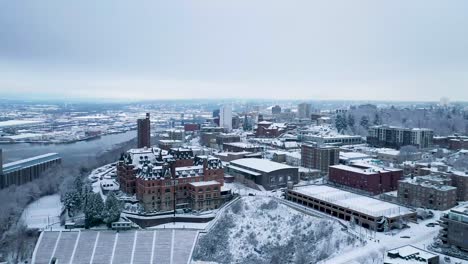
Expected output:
(396, 137)
(319, 157)
(225, 117)
(303, 110)
(144, 132)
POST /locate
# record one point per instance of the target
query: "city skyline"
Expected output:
(404, 51)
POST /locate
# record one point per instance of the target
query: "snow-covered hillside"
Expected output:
(260, 230)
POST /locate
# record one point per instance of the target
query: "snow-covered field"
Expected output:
(43, 212)
(261, 230)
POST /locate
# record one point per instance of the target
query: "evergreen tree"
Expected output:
(377, 119)
(78, 182)
(351, 121)
(112, 209)
(364, 122)
(72, 202)
(93, 209)
(340, 123)
(385, 225)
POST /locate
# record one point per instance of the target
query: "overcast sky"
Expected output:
(121, 49)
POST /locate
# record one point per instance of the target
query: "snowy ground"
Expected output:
(419, 235)
(377, 243)
(261, 230)
(241, 189)
(43, 212)
(99, 174)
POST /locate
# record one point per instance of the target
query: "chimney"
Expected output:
(147, 115)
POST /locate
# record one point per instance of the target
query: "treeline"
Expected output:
(444, 121)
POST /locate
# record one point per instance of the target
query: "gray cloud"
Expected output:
(293, 49)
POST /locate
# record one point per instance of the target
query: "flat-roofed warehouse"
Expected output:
(267, 173)
(23, 171)
(125, 247)
(366, 211)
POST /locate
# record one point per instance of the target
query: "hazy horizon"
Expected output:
(300, 50)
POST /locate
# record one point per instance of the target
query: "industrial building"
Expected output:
(368, 212)
(23, 171)
(269, 174)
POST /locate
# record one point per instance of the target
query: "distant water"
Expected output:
(72, 152)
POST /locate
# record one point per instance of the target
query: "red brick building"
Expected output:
(270, 130)
(156, 178)
(191, 127)
(144, 132)
(366, 177)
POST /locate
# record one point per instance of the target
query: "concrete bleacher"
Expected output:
(163, 245)
(104, 247)
(84, 252)
(143, 248)
(185, 241)
(130, 247)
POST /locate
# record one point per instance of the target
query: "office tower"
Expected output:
(303, 110)
(319, 157)
(144, 132)
(225, 117)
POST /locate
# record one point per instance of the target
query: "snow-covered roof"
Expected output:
(408, 254)
(242, 145)
(253, 173)
(262, 165)
(461, 209)
(353, 155)
(363, 168)
(29, 162)
(360, 203)
(430, 181)
(204, 183)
